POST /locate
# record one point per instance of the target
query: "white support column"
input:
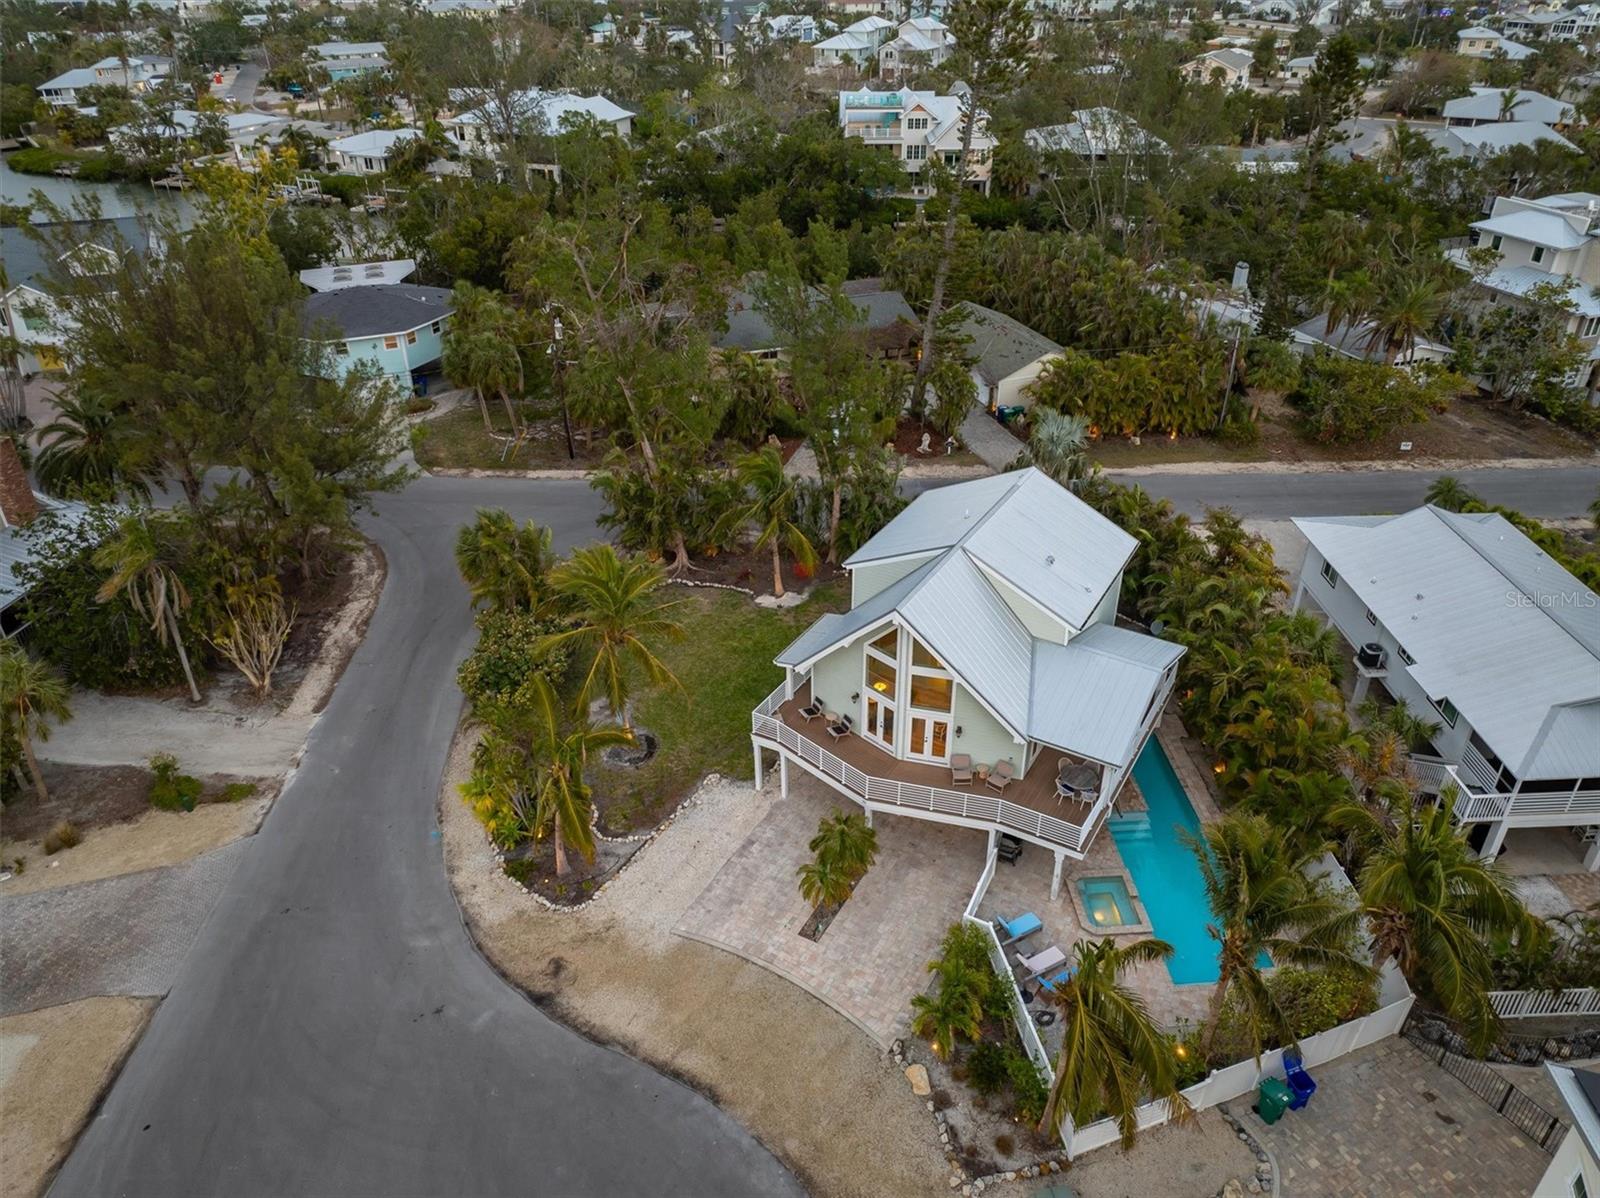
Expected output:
(783, 775)
(866, 812)
(1055, 875)
(1360, 691)
(994, 839)
(1299, 593)
(1493, 842)
(1591, 859)
(756, 746)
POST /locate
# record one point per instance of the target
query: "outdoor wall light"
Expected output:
(958, 730)
(856, 698)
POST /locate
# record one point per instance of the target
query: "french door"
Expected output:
(930, 735)
(879, 720)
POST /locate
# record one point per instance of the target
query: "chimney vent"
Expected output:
(1241, 278)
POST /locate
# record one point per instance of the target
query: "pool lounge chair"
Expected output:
(1060, 979)
(839, 726)
(960, 769)
(1019, 928)
(1041, 963)
(1001, 775)
(812, 710)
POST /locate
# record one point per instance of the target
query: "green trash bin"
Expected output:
(1272, 1099)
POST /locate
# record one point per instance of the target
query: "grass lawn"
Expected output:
(458, 440)
(725, 664)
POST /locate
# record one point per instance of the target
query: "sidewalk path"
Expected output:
(986, 437)
(120, 936)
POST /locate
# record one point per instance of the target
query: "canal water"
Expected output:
(116, 199)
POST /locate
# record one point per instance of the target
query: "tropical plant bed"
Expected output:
(97, 796)
(986, 1134)
(819, 919)
(458, 440)
(908, 440)
(724, 661)
(534, 866)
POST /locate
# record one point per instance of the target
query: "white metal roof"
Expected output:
(357, 274)
(17, 541)
(1519, 280)
(1541, 228)
(374, 143)
(1090, 696)
(1492, 622)
(553, 108)
(1502, 135)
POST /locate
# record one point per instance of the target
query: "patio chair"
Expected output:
(1041, 963)
(1060, 979)
(960, 769)
(1019, 928)
(840, 725)
(813, 709)
(1001, 775)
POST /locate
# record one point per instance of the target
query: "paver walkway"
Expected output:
(985, 436)
(874, 956)
(1387, 1122)
(120, 936)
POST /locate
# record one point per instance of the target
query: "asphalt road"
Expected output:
(243, 87)
(1554, 493)
(332, 1031)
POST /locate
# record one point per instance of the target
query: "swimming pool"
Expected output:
(1164, 871)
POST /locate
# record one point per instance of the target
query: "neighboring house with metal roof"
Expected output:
(1478, 41)
(982, 626)
(369, 153)
(398, 326)
(1361, 341)
(917, 127)
(1095, 134)
(919, 43)
(1550, 241)
(481, 132)
(137, 74)
(1007, 356)
(855, 44)
(1477, 629)
(1230, 68)
(1574, 1169)
(1488, 105)
(345, 60)
(890, 326)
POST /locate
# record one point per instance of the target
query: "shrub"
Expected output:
(1029, 1093)
(1240, 431)
(1343, 400)
(170, 790)
(234, 791)
(63, 836)
(988, 1067)
(1191, 1061)
(1312, 1001)
(348, 188)
(418, 404)
(507, 657)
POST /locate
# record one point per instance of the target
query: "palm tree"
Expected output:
(1405, 311)
(616, 616)
(847, 843)
(32, 697)
(1058, 444)
(89, 450)
(543, 752)
(139, 570)
(1510, 101)
(1447, 491)
(770, 504)
(481, 350)
(1113, 1056)
(504, 566)
(1434, 907)
(1267, 909)
(955, 1008)
(824, 882)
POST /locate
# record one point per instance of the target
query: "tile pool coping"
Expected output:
(1142, 928)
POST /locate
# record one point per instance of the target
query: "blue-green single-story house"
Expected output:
(399, 326)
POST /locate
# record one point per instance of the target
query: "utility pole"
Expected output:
(1227, 383)
(558, 382)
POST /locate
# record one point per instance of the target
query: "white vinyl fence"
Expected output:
(1530, 1004)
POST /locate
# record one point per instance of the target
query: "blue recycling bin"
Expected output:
(1300, 1082)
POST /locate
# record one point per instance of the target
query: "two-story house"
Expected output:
(1554, 239)
(136, 75)
(1477, 629)
(980, 651)
(1574, 24)
(1479, 41)
(855, 45)
(917, 127)
(1228, 68)
(399, 327)
(918, 43)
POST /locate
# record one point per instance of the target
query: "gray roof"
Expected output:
(17, 541)
(1491, 621)
(1000, 345)
(1549, 229)
(373, 311)
(748, 328)
(1090, 696)
(1024, 531)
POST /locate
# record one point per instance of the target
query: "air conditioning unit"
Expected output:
(1372, 656)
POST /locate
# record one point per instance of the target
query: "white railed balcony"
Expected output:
(874, 783)
(1477, 804)
(874, 133)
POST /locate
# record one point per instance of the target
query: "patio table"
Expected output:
(1077, 777)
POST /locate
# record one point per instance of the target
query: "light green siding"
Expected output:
(982, 736)
(1035, 619)
(838, 676)
(866, 581)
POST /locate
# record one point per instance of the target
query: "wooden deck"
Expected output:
(1037, 791)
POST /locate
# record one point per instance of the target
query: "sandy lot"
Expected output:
(154, 839)
(803, 1079)
(54, 1064)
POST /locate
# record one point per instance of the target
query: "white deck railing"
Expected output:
(1019, 1010)
(888, 792)
(1530, 1004)
(1476, 804)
